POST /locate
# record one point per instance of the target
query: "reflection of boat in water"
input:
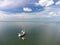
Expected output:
(21, 35)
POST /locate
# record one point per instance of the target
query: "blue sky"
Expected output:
(29, 10)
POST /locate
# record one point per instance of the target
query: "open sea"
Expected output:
(37, 33)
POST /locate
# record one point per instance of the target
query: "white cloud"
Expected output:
(4, 3)
(27, 9)
(52, 14)
(49, 3)
(52, 11)
(47, 13)
(12, 3)
(57, 2)
(45, 2)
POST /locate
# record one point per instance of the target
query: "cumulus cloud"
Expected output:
(27, 9)
(57, 2)
(18, 6)
(47, 13)
(45, 2)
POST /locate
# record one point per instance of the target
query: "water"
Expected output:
(37, 33)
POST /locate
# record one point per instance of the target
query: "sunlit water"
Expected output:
(37, 33)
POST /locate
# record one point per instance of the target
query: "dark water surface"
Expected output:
(37, 33)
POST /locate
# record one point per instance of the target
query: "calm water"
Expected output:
(37, 33)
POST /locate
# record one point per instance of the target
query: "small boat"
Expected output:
(21, 35)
